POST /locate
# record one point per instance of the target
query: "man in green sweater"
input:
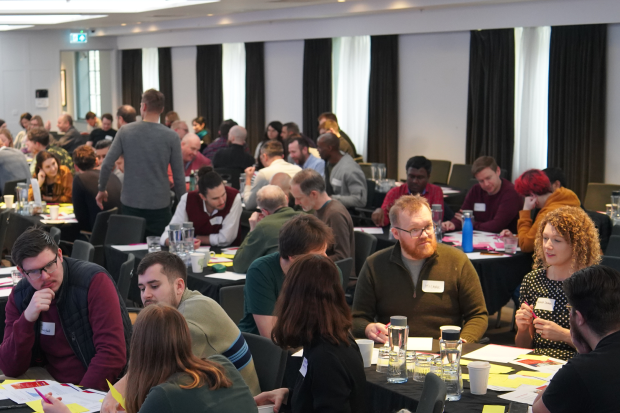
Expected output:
(432, 285)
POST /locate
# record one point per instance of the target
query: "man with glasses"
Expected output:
(432, 285)
(65, 315)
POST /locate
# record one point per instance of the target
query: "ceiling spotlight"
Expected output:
(123, 24)
(211, 14)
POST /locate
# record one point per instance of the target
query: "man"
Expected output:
(329, 126)
(335, 129)
(85, 188)
(493, 199)
(283, 181)
(71, 138)
(193, 160)
(13, 166)
(418, 171)
(271, 156)
(148, 148)
(308, 188)
(65, 315)
(234, 156)
(303, 234)
(170, 118)
(92, 122)
(589, 382)
(291, 130)
(264, 227)
(105, 132)
(180, 127)
(215, 210)
(556, 177)
(298, 152)
(345, 179)
(125, 115)
(162, 278)
(222, 141)
(37, 140)
(101, 150)
(430, 284)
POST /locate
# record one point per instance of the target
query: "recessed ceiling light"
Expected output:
(46, 18)
(138, 22)
(210, 15)
(95, 6)
(7, 27)
(123, 24)
(341, 1)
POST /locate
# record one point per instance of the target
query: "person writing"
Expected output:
(55, 180)
(567, 241)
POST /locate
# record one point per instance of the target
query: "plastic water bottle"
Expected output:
(397, 334)
(468, 233)
(175, 237)
(437, 216)
(192, 181)
(450, 348)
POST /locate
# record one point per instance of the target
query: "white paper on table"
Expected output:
(6, 281)
(61, 221)
(498, 354)
(36, 191)
(420, 343)
(5, 292)
(478, 256)
(545, 367)
(227, 275)
(300, 353)
(266, 408)
(370, 230)
(449, 191)
(135, 247)
(524, 394)
(230, 251)
(21, 396)
(7, 270)
(219, 260)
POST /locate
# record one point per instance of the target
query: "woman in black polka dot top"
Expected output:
(566, 241)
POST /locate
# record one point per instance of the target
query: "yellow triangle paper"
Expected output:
(117, 396)
(489, 408)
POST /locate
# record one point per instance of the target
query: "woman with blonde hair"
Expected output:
(566, 241)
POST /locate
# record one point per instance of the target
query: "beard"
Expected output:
(578, 339)
(420, 252)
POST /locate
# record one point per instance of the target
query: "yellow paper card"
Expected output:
(532, 357)
(489, 408)
(534, 374)
(76, 408)
(225, 264)
(117, 396)
(502, 380)
(36, 406)
(228, 256)
(465, 376)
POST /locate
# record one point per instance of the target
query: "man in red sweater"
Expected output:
(65, 315)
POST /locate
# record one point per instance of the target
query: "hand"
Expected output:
(255, 218)
(41, 177)
(110, 405)
(56, 406)
(249, 173)
(275, 397)
(506, 233)
(447, 226)
(378, 216)
(524, 317)
(377, 332)
(551, 331)
(41, 301)
(48, 126)
(459, 216)
(101, 198)
(47, 198)
(529, 203)
(196, 243)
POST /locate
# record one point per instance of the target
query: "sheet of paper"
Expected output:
(538, 374)
(550, 365)
(229, 251)
(524, 394)
(495, 368)
(7, 270)
(370, 230)
(6, 291)
(6, 281)
(135, 247)
(117, 396)
(478, 256)
(227, 275)
(420, 343)
(492, 408)
(300, 353)
(449, 191)
(498, 354)
(219, 259)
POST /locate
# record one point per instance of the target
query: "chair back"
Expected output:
(231, 175)
(460, 178)
(269, 361)
(433, 398)
(55, 233)
(615, 230)
(9, 187)
(4, 227)
(83, 250)
(101, 226)
(597, 195)
(125, 275)
(613, 247)
(125, 230)
(370, 193)
(232, 300)
(346, 266)
(365, 246)
(612, 262)
(602, 222)
(440, 170)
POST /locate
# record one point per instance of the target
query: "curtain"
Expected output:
(150, 68)
(351, 78)
(577, 83)
(383, 103)
(490, 109)
(233, 81)
(165, 79)
(209, 85)
(531, 98)
(317, 83)
(254, 92)
(131, 77)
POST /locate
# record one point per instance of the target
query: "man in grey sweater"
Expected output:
(345, 179)
(13, 166)
(148, 148)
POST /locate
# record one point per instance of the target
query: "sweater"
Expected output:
(385, 288)
(13, 167)
(84, 192)
(432, 193)
(527, 229)
(348, 182)
(336, 216)
(233, 157)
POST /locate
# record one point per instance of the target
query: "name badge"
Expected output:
(336, 182)
(304, 367)
(479, 207)
(108, 138)
(545, 304)
(432, 286)
(216, 220)
(187, 179)
(48, 329)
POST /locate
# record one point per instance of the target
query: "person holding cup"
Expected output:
(55, 180)
(566, 241)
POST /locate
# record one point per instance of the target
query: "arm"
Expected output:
(260, 300)
(508, 209)
(170, 178)
(471, 303)
(19, 336)
(467, 204)
(364, 308)
(66, 182)
(355, 182)
(523, 317)
(539, 405)
(342, 238)
(179, 217)
(250, 191)
(389, 200)
(230, 226)
(116, 150)
(566, 393)
(176, 164)
(109, 404)
(265, 324)
(251, 248)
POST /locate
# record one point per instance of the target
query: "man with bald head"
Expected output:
(193, 160)
(125, 115)
(264, 227)
(71, 138)
(283, 180)
(180, 127)
(234, 156)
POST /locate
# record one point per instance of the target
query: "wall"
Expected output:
(612, 150)
(185, 100)
(67, 63)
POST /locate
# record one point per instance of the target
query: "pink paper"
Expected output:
(482, 245)
(499, 245)
(449, 239)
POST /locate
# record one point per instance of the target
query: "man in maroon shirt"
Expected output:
(65, 315)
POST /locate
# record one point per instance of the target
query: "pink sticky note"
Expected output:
(482, 245)
(449, 239)
(499, 245)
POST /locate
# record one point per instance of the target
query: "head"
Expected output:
(65, 122)
(162, 277)
(412, 213)
(84, 158)
(418, 171)
(567, 235)
(91, 119)
(180, 127)
(24, 120)
(270, 151)
(48, 163)
(106, 121)
(152, 103)
(36, 122)
(273, 130)
(308, 188)
(270, 198)
(101, 150)
(311, 305)
(298, 150)
(125, 114)
(556, 177)
(211, 188)
(170, 118)
(225, 128)
(237, 135)
(190, 146)
(488, 174)
(303, 234)
(37, 140)
(199, 124)
(6, 138)
(120, 163)
(328, 144)
(534, 182)
(327, 116)
(282, 180)
(290, 129)
(327, 126)
(39, 259)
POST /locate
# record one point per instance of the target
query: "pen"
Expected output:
(45, 399)
(533, 315)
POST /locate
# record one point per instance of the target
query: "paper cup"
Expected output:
(366, 347)
(206, 254)
(8, 200)
(478, 376)
(53, 212)
(197, 262)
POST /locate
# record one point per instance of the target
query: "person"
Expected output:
(566, 242)
(264, 227)
(589, 381)
(418, 170)
(6, 138)
(200, 128)
(71, 138)
(38, 139)
(234, 156)
(92, 122)
(341, 134)
(271, 157)
(37, 122)
(329, 126)
(180, 127)
(13, 166)
(431, 284)
(101, 150)
(221, 141)
(556, 177)
(291, 130)
(85, 184)
(215, 210)
(55, 182)
(345, 179)
(20, 139)
(303, 234)
(283, 181)
(534, 185)
(125, 115)
(65, 314)
(193, 160)
(298, 152)
(170, 118)
(272, 133)
(333, 377)
(105, 132)
(148, 147)
(308, 188)
(493, 199)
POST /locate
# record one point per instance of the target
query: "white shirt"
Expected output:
(263, 177)
(230, 224)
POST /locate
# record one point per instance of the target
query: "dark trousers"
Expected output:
(156, 219)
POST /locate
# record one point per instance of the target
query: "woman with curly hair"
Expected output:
(566, 241)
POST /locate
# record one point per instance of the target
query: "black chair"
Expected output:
(4, 227)
(125, 230)
(10, 186)
(615, 230)
(440, 171)
(612, 262)
(269, 361)
(461, 178)
(83, 250)
(613, 248)
(346, 266)
(365, 246)
(230, 175)
(363, 214)
(97, 236)
(602, 222)
(433, 398)
(231, 300)
(55, 233)
(125, 275)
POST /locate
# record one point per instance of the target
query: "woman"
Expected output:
(20, 139)
(272, 132)
(312, 312)
(167, 377)
(566, 241)
(6, 138)
(200, 128)
(56, 182)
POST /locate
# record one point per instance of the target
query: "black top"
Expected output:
(85, 188)
(334, 380)
(588, 382)
(99, 134)
(233, 156)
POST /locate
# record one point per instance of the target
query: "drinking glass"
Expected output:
(153, 244)
(422, 367)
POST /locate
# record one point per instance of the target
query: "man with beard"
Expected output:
(589, 381)
(432, 285)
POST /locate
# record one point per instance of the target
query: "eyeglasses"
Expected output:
(49, 268)
(569, 307)
(417, 232)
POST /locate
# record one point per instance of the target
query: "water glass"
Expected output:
(436, 366)
(383, 359)
(410, 362)
(153, 244)
(16, 276)
(510, 245)
(422, 367)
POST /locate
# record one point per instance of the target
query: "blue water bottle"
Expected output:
(468, 233)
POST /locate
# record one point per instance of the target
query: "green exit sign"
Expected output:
(78, 38)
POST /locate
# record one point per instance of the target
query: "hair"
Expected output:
(107, 116)
(595, 292)
(154, 100)
(302, 234)
(329, 116)
(555, 174)
(208, 179)
(127, 113)
(272, 149)
(25, 115)
(171, 265)
(69, 118)
(84, 157)
(31, 243)
(309, 180)
(178, 123)
(224, 127)
(161, 346)
(2, 122)
(533, 181)
(329, 124)
(576, 227)
(39, 120)
(42, 157)
(8, 135)
(90, 115)
(292, 127)
(172, 116)
(271, 198)
(300, 141)
(331, 140)
(277, 125)
(418, 162)
(39, 135)
(483, 162)
(201, 120)
(409, 204)
(102, 144)
(311, 305)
